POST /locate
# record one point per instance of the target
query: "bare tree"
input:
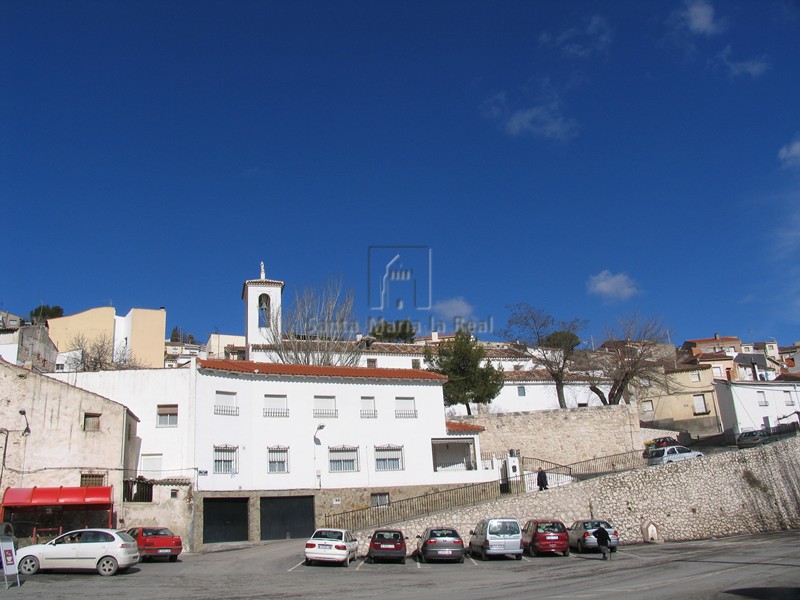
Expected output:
(634, 355)
(99, 354)
(319, 329)
(552, 343)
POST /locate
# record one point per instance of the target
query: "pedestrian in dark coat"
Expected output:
(603, 541)
(541, 479)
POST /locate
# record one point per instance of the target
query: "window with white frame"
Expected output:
(717, 371)
(167, 415)
(368, 407)
(389, 458)
(695, 375)
(151, 466)
(700, 406)
(646, 406)
(343, 459)
(325, 407)
(521, 390)
(762, 398)
(225, 404)
(278, 459)
(379, 499)
(405, 408)
(226, 460)
(787, 396)
(275, 406)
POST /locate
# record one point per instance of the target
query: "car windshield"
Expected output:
(126, 537)
(327, 534)
(443, 533)
(158, 531)
(504, 528)
(596, 524)
(657, 453)
(550, 528)
(392, 536)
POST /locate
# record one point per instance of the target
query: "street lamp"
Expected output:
(317, 472)
(27, 429)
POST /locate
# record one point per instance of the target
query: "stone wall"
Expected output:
(561, 436)
(731, 493)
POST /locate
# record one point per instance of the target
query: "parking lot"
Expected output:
(763, 566)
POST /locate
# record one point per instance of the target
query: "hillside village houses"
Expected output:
(225, 434)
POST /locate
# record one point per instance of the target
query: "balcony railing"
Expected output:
(231, 411)
(405, 414)
(326, 413)
(369, 414)
(276, 412)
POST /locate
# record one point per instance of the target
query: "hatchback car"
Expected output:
(105, 550)
(496, 537)
(751, 439)
(581, 535)
(331, 545)
(545, 535)
(156, 541)
(440, 543)
(659, 442)
(660, 456)
(387, 544)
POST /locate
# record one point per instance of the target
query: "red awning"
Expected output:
(60, 496)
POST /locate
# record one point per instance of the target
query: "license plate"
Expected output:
(445, 551)
(387, 545)
(325, 546)
(165, 550)
(552, 537)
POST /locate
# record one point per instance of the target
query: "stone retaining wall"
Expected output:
(730, 493)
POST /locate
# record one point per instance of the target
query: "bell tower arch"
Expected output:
(262, 311)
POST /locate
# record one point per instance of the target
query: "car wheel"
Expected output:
(403, 560)
(483, 554)
(107, 566)
(566, 552)
(346, 561)
(461, 560)
(173, 558)
(581, 548)
(518, 556)
(613, 548)
(422, 557)
(29, 565)
(308, 562)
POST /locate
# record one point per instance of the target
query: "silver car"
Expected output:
(581, 535)
(661, 456)
(496, 537)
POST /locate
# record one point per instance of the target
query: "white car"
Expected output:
(331, 545)
(104, 550)
(668, 454)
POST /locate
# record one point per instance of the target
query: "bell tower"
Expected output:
(262, 311)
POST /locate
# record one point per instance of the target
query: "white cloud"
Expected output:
(545, 121)
(789, 154)
(453, 307)
(612, 287)
(699, 18)
(754, 68)
(592, 37)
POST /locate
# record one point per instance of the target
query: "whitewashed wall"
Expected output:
(739, 404)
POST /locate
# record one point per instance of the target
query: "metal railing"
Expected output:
(587, 469)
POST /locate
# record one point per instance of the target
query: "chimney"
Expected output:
(434, 336)
(716, 336)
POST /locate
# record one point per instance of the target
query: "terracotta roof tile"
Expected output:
(244, 366)
(458, 426)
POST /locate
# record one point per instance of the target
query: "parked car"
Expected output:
(387, 544)
(751, 439)
(545, 535)
(440, 543)
(581, 535)
(496, 537)
(660, 456)
(659, 442)
(331, 545)
(156, 541)
(7, 530)
(105, 550)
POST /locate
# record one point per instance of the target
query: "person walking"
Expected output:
(541, 479)
(603, 541)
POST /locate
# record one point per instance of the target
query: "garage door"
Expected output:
(224, 520)
(283, 518)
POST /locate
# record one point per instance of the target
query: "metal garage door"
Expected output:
(224, 520)
(291, 517)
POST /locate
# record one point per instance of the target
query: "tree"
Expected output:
(460, 360)
(318, 329)
(552, 343)
(401, 331)
(634, 354)
(99, 354)
(41, 313)
(178, 335)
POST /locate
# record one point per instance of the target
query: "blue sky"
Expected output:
(589, 158)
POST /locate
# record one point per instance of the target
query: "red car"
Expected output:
(545, 535)
(156, 541)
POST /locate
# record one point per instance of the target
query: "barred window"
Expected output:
(278, 459)
(225, 404)
(91, 422)
(379, 499)
(226, 460)
(325, 407)
(275, 406)
(389, 458)
(343, 459)
(404, 408)
(93, 479)
(167, 415)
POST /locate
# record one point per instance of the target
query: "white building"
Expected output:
(746, 405)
